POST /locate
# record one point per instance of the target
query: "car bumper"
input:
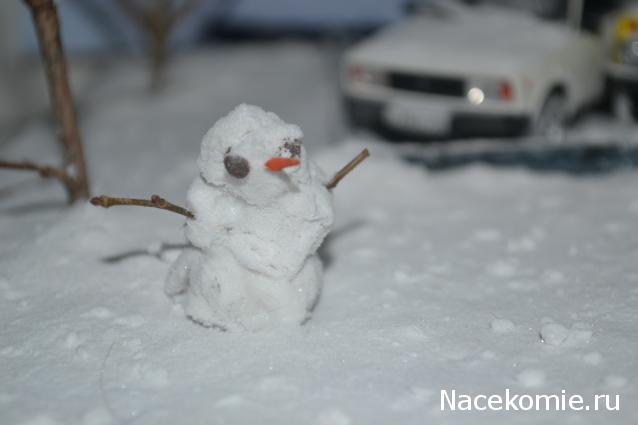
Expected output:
(623, 73)
(428, 117)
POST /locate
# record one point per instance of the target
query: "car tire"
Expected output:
(631, 116)
(551, 121)
(625, 106)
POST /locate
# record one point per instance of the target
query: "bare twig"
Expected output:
(157, 20)
(45, 171)
(45, 19)
(185, 8)
(133, 10)
(155, 202)
(347, 169)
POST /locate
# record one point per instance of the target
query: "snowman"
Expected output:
(260, 212)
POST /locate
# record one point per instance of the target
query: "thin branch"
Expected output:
(133, 11)
(155, 202)
(157, 20)
(45, 171)
(347, 169)
(185, 8)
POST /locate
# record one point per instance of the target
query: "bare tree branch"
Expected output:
(155, 202)
(45, 171)
(184, 9)
(347, 169)
(133, 11)
(45, 19)
(157, 19)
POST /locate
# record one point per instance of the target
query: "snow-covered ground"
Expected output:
(476, 279)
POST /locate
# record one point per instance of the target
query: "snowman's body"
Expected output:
(255, 235)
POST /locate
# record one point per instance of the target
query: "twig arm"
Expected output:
(347, 169)
(154, 202)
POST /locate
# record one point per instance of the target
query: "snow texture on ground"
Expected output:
(476, 279)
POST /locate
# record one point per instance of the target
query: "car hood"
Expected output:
(480, 40)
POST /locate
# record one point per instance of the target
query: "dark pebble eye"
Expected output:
(236, 166)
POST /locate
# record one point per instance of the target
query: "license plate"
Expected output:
(417, 116)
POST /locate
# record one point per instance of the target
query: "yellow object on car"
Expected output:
(626, 29)
(627, 25)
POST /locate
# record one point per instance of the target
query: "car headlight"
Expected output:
(489, 89)
(364, 74)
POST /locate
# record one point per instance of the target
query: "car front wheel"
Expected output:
(550, 124)
(625, 107)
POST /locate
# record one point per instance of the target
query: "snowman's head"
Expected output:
(254, 155)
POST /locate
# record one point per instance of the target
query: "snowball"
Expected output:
(150, 376)
(502, 326)
(594, 358)
(413, 333)
(615, 381)
(82, 353)
(558, 335)
(11, 351)
(333, 416)
(487, 235)
(10, 294)
(531, 378)
(524, 244)
(553, 277)
(502, 268)
(99, 313)
(415, 397)
(72, 340)
(132, 321)
(40, 420)
(155, 248)
(488, 355)
(554, 334)
(98, 416)
(272, 384)
(230, 401)
(256, 231)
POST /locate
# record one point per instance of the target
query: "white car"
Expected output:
(472, 69)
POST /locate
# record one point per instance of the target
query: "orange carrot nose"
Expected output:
(278, 164)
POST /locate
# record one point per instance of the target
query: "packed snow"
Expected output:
(261, 212)
(475, 278)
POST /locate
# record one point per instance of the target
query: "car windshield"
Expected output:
(554, 10)
(548, 9)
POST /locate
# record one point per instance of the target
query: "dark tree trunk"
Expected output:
(47, 27)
